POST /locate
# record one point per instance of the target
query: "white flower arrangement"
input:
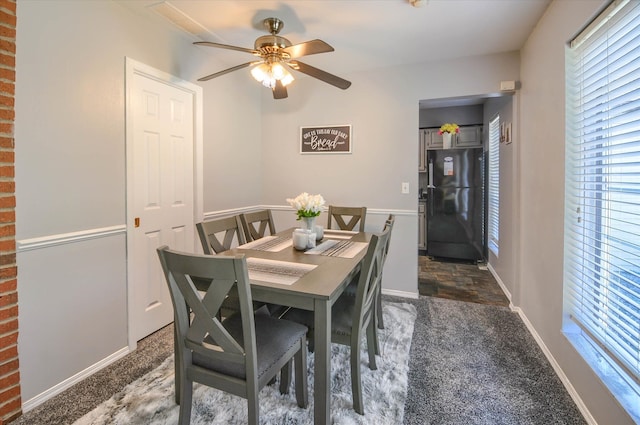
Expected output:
(307, 205)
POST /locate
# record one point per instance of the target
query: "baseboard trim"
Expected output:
(556, 367)
(69, 382)
(500, 283)
(401, 294)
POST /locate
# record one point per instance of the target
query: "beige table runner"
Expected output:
(273, 271)
(342, 249)
(269, 243)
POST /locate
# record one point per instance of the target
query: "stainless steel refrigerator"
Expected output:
(455, 203)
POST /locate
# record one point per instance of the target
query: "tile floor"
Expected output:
(458, 280)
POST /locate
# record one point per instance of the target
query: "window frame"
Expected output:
(601, 304)
(493, 196)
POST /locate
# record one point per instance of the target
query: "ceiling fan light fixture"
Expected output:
(268, 74)
(276, 55)
(287, 78)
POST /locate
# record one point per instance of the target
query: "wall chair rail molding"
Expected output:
(372, 211)
(72, 237)
(212, 215)
(225, 213)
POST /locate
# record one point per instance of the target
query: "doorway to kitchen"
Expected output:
(453, 253)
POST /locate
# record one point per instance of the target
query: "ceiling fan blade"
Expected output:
(226, 46)
(320, 74)
(226, 71)
(308, 48)
(279, 91)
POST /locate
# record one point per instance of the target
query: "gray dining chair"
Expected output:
(352, 288)
(353, 317)
(388, 224)
(256, 224)
(219, 235)
(239, 354)
(355, 215)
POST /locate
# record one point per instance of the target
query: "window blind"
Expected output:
(602, 187)
(494, 184)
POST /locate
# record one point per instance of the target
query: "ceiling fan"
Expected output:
(276, 56)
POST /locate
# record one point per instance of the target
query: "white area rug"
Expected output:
(150, 399)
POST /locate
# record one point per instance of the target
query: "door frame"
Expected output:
(132, 68)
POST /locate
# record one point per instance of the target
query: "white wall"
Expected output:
(70, 166)
(382, 107)
(72, 310)
(232, 140)
(504, 264)
(542, 116)
(70, 172)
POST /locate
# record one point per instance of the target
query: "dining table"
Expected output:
(310, 279)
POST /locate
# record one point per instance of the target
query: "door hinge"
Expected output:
(136, 222)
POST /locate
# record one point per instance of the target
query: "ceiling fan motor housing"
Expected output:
(270, 47)
(271, 41)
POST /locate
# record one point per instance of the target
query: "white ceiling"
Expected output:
(365, 34)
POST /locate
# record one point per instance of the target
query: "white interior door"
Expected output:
(160, 199)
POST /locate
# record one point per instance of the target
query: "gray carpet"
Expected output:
(150, 399)
(469, 364)
(71, 404)
(478, 364)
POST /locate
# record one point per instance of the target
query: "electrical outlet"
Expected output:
(405, 187)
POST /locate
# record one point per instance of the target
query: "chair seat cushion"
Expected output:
(273, 338)
(341, 315)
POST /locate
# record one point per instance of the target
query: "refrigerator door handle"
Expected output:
(430, 201)
(430, 185)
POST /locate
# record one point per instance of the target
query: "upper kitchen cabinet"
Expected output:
(468, 137)
(435, 139)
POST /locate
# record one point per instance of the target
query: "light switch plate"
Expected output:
(405, 187)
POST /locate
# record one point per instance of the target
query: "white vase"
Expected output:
(309, 223)
(310, 227)
(446, 140)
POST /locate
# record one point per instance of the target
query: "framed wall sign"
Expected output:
(325, 139)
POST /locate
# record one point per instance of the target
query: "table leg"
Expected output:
(322, 383)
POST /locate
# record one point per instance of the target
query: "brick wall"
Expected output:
(10, 402)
